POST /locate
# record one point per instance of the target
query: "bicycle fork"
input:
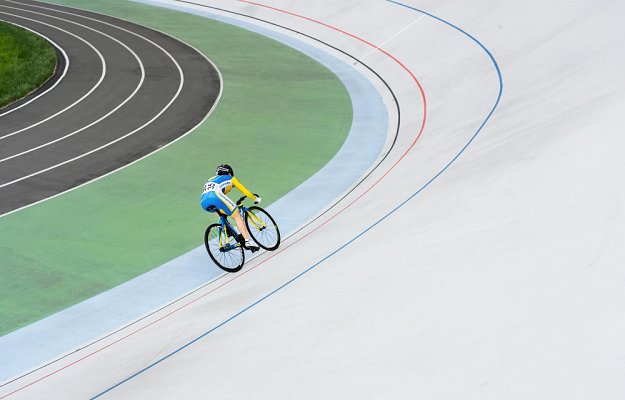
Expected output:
(257, 222)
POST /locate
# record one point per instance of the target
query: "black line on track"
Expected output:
(348, 55)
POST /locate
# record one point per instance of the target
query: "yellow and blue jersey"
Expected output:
(215, 190)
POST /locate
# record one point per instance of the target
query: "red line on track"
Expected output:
(422, 128)
(414, 78)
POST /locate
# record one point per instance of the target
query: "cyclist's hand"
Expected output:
(258, 199)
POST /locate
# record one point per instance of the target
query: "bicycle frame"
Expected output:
(225, 243)
(257, 222)
(227, 229)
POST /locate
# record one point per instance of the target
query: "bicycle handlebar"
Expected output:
(240, 201)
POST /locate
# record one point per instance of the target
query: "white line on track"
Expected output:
(104, 116)
(387, 41)
(208, 114)
(126, 135)
(55, 83)
(77, 101)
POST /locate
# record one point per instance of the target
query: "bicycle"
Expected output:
(225, 245)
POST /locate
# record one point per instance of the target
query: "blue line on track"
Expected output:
(363, 232)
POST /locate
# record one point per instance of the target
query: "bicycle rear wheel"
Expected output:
(224, 250)
(262, 228)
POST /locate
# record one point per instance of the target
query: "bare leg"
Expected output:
(240, 224)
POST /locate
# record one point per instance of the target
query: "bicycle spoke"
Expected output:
(223, 250)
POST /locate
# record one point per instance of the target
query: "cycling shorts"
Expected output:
(219, 200)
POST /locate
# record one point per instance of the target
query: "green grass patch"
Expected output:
(26, 62)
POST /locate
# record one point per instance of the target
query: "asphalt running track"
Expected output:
(122, 92)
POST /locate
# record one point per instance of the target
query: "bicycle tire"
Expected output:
(229, 261)
(263, 228)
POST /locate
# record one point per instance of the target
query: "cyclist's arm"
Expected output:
(243, 189)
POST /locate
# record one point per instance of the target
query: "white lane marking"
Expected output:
(55, 83)
(104, 116)
(208, 114)
(378, 47)
(103, 74)
(124, 136)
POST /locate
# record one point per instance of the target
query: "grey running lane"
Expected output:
(135, 78)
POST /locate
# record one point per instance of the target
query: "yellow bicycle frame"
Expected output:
(258, 223)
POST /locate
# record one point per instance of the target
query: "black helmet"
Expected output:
(224, 169)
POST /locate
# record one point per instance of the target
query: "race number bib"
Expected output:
(208, 186)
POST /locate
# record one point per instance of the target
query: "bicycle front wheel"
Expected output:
(225, 251)
(262, 228)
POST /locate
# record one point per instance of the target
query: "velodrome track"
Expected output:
(98, 119)
(497, 274)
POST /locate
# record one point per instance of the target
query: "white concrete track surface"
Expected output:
(502, 278)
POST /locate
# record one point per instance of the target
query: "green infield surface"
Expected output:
(281, 117)
(26, 62)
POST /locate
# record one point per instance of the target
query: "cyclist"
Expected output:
(214, 194)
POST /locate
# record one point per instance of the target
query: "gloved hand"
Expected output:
(258, 199)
